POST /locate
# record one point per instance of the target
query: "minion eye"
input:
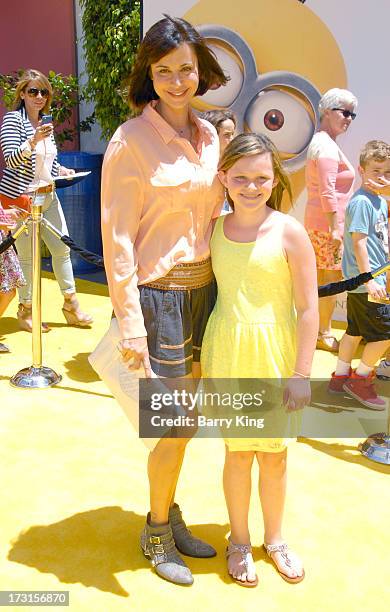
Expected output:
(232, 67)
(274, 119)
(283, 118)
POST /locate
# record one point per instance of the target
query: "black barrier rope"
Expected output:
(7, 243)
(97, 260)
(323, 291)
(345, 285)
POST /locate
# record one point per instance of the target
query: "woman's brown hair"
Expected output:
(162, 38)
(246, 145)
(21, 86)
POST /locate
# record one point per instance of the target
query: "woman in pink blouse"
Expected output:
(329, 181)
(159, 195)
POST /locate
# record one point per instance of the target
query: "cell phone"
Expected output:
(46, 119)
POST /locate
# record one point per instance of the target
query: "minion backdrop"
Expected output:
(73, 471)
(281, 57)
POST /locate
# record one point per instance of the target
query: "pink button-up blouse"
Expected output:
(159, 196)
(329, 181)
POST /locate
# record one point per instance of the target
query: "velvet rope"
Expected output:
(331, 289)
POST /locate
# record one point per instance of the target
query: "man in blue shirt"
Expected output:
(365, 248)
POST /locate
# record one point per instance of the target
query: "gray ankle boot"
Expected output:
(185, 542)
(158, 545)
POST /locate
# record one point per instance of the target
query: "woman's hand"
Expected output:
(16, 214)
(6, 227)
(135, 352)
(62, 171)
(297, 393)
(10, 218)
(42, 131)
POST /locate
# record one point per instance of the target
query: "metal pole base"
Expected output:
(377, 448)
(35, 378)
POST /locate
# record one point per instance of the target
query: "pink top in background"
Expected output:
(158, 198)
(329, 182)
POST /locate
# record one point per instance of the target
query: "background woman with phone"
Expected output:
(30, 155)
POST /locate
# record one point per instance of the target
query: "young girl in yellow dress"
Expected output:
(264, 325)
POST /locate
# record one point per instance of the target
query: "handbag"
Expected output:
(123, 383)
(22, 201)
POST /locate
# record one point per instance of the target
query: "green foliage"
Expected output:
(7, 87)
(111, 37)
(66, 96)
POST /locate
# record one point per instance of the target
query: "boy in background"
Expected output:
(365, 248)
(225, 123)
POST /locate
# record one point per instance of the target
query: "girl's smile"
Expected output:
(250, 180)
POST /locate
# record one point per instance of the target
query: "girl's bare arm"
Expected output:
(302, 264)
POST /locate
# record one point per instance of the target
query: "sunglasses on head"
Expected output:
(33, 92)
(346, 113)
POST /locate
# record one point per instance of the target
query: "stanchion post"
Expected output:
(36, 376)
(377, 446)
(36, 214)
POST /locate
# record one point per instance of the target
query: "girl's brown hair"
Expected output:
(21, 86)
(162, 38)
(246, 145)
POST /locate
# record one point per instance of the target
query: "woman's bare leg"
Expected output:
(164, 466)
(196, 373)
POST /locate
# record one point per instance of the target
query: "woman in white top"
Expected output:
(30, 155)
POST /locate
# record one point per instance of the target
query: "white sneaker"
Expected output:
(383, 370)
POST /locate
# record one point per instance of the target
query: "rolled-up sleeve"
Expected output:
(122, 200)
(327, 169)
(218, 191)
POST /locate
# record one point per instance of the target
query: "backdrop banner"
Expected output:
(281, 57)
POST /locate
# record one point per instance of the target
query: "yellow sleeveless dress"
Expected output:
(251, 332)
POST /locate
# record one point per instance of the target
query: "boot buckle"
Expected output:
(158, 549)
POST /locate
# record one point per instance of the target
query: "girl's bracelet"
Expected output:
(300, 374)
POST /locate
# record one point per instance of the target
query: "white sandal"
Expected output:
(283, 550)
(245, 550)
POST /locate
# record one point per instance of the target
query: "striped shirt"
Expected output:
(19, 158)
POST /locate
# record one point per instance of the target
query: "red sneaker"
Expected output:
(363, 390)
(336, 383)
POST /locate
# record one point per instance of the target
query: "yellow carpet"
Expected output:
(74, 496)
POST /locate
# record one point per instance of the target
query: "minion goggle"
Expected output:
(282, 105)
